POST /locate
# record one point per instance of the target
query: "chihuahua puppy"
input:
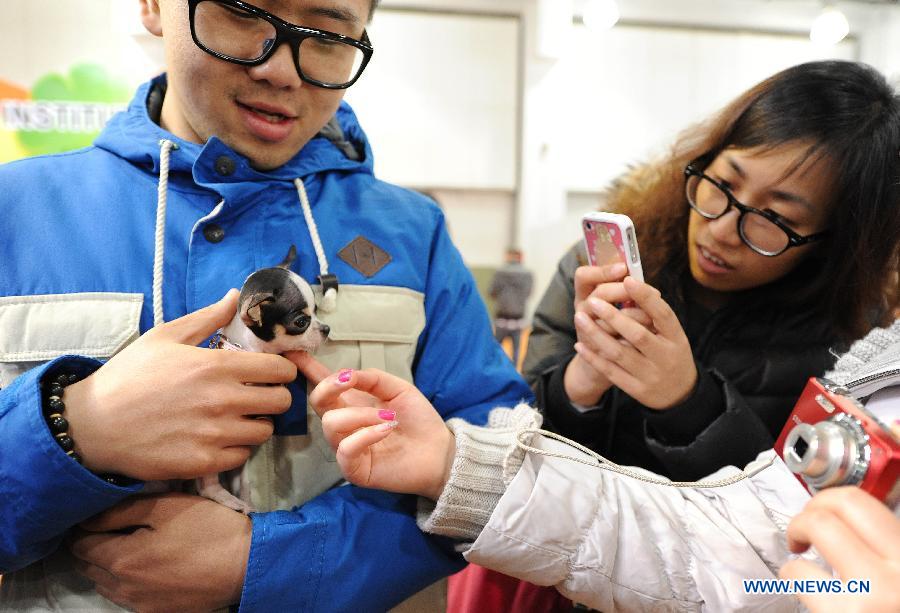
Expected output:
(276, 313)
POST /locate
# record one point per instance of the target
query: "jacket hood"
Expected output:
(134, 136)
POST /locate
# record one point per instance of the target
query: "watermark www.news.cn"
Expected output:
(806, 586)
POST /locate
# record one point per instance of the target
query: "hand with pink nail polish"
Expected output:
(316, 372)
(385, 432)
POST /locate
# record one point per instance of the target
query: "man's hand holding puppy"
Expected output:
(165, 553)
(166, 409)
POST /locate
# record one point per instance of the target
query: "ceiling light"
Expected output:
(829, 28)
(600, 14)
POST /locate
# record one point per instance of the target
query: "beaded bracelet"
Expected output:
(54, 407)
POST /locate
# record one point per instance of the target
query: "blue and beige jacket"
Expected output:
(77, 253)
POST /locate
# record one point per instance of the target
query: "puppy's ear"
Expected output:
(252, 314)
(289, 258)
(150, 17)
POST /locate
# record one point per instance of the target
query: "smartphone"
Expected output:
(610, 238)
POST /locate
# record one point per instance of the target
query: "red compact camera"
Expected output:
(831, 439)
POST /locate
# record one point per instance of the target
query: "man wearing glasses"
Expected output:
(242, 149)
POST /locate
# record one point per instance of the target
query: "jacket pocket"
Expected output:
(374, 327)
(37, 329)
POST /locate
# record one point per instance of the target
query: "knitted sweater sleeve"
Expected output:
(487, 459)
(864, 351)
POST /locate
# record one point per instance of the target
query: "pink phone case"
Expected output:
(609, 238)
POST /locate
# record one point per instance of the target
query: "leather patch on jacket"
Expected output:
(364, 256)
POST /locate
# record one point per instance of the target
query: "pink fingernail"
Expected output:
(386, 414)
(344, 375)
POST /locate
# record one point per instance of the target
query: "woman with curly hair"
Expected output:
(769, 238)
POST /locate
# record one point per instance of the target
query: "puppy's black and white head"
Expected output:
(278, 307)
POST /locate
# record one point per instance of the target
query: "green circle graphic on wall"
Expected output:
(61, 113)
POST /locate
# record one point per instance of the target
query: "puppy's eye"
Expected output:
(302, 322)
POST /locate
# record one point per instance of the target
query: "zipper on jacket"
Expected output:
(887, 377)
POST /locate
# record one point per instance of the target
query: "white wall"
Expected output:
(42, 36)
(439, 99)
(478, 221)
(643, 83)
(615, 119)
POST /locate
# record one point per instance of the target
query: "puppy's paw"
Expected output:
(209, 487)
(238, 505)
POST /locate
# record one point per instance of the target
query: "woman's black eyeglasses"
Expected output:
(760, 230)
(241, 33)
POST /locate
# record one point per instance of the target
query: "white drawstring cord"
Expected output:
(604, 463)
(165, 146)
(329, 298)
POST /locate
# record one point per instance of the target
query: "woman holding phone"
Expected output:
(769, 240)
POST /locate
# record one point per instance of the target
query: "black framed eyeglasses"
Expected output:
(241, 33)
(760, 230)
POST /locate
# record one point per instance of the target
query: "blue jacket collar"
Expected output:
(134, 136)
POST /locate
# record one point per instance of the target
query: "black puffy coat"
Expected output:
(753, 358)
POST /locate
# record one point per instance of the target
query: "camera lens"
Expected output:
(801, 447)
(831, 452)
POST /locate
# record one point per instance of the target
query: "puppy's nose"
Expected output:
(325, 330)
